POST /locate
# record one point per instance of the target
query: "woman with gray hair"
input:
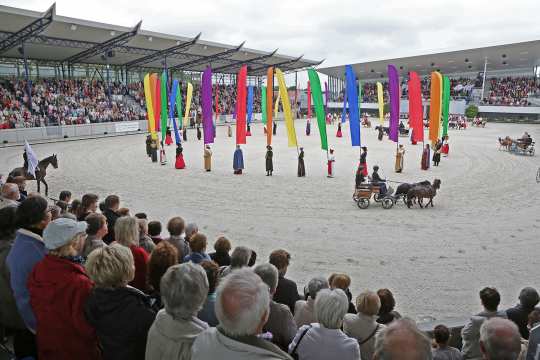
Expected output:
(324, 340)
(126, 232)
(120, 313)
(239, 258)
(304, 310)
(183, 291)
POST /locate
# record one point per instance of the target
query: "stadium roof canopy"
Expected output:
(522, 55)
(51, 38)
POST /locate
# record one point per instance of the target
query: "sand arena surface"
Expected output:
(484, 228)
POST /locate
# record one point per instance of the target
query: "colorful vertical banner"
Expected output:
(319, 106)
(206, 100)
(172, 99)
(276, 104)
(178, 101)
(241, 106)
(269, 103)
(308, 100)
(380, 98)
(352, 99)
(156, 97)
(416, 113)
(164, 113)
(393, 87)
(445, 104)
(263, 104)
(216, 108)
(189, 96)
(149, 106)
(250, 105)
(435, 106)
(285, 102)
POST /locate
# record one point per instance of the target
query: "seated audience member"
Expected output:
(9, 315)
(65, 196)
(286, 292)
(252, 258)
(89, 204)
(191, 229)
(280, 320)
(304, 310)
(10, 195)
(402, 340)
(74, 207)
(208, 311)
(154, 230)
(58, 288)
(239, 259)
(470, 333)
(325, 340)
(175, 227)
(112, 204)
(363, 326)
(184, 289)
(242, 306)
(441, 335)
(387, 314)
(127, 234)
(144, 240)
(533, 325)
(121, 315)
(123, 212)
(343, 281)
(500, 340)
(96, 230)
(20, 181)
(63, 206)
(141, 215)
(163, 257)
(56, 212)
(32, 217)
(222, 247)
(197, 245)
(528, 299)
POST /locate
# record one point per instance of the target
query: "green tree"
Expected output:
(471, 111)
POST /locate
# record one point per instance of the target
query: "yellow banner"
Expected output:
(276, 105)
(189, 95)
(289, 122)
(149, 106)
(380, 97)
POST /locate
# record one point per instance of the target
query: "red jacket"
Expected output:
(58, 291)
(140, 258)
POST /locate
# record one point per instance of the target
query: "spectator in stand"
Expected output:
(191, 229)
(470, 333)
(154, 230)
(280, 320)
(20, 181)
(387, 314)
(74, 206)
(58, 288)
(145, 241)
(239, 259)
(127, 234)
(534, 335)
(9, 315)
(197, 246)
(96, 230)
(175, 226)
(112, 204)
(242, 307)
(222, 247)
(163, 257)
(32, 218)
(363, 326)
(324, 339)
(442, 351)
(343, 281)
(65, 196)
(10, 195)
(121, 315)
(519, 314)
(286, 292)
(184, 289)
(304, 310)
(402, 340)
(63, 206)
(123, 212)
(500, 340)
(208, 311)
(89, 204)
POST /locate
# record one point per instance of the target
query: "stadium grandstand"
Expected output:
(503, 80)
(83, 71)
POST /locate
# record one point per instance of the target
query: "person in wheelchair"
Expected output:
(378, 181)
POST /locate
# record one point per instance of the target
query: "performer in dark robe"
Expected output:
(308, 128)
(301, 165)
(339, 134)
(248, 132)
(425, 158)
(238, 161)
(149, 145)
(437, 153)
(180, 163)
(184, 134)
(154, 146)
(381, 133)
(198, 133)
(275, 128)
(168, 137)
(363, 160)
(269, 162)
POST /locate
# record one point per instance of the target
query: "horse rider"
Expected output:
(378, 181)
(25, 165)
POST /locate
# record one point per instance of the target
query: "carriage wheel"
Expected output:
(363, 203)
(376, 197)
(387, 203)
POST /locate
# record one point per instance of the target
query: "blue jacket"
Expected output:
(28, 249)
(238, 160)
(196, 257)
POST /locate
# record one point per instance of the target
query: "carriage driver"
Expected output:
(377, 180)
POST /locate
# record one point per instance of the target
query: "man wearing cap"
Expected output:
(58, 288)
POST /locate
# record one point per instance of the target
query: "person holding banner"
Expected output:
(400, 154)
(149, 145)
(248, 132)
(180, 163)
(269, 162)
(162, 155)
(207, 158)
(238, 161)
(301, 165)
(331, 160)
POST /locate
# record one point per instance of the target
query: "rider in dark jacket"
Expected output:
(377, 180)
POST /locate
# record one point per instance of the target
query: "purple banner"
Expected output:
(393, 87)
(206, 90)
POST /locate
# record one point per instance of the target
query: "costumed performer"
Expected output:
(154, 147)
(400, 154)
(238, 161)
(180, 163)
(168, 138)
(269, 162)
(437, 153)
(339, 134)
(275, 128)
(184, 133)
(359, 178)
(425, 158)
(198, 132)
(301, 165)
(363, 160)
(248, 132)
(207, 158)
(229, 130)
(445, 147)
(331, 160)
(162, 155)
(381, 132)
(149, 145)
(308, 127)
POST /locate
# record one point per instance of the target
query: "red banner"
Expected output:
(416, 114)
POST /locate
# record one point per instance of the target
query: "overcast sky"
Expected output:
(341, 32)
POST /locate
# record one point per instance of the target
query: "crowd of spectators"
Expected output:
(89, 279)
(511, 91)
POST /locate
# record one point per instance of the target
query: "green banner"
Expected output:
(446, 105)
(316, 93)
(179, 104)
(263, 103)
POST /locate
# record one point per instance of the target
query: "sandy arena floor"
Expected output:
(483, 230)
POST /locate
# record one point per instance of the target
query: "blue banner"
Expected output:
(172, 99)
(352, 97)
(250, 104)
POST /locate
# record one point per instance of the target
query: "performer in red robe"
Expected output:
(168, 138)
(248, 132)
(445, 147)
(180, 163)
(331, 160)
(425, 158)
(339, 134)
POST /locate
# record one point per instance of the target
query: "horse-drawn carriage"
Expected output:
(365, 192)
(522, 148)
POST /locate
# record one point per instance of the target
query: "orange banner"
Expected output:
(435, 106)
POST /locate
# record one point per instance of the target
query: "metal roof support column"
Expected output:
(27, 77)
(484, 79)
